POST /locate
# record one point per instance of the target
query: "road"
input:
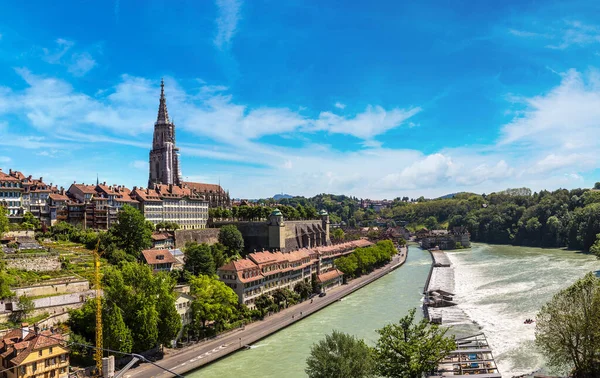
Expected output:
(195, 356)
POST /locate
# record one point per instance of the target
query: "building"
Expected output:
(163, 240)
(444, 239)
(164, 156)
(165, 168)
(172, 203)
(10, 195)
(263, 272)
(160, 260)
(183, 305)
(28, 354)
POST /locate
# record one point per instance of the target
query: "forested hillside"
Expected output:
(562, 218)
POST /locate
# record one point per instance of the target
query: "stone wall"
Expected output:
(205, 235)
(72, 286)
(65, 299)
(34, 263)
(255, 234)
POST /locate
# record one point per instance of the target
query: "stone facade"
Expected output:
(164, 156)
(277, 234)
(207, 235)
(264, 272)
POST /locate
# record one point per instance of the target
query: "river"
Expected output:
(497, 288)
(361, 313)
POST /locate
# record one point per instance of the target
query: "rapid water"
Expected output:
(361, 313)
(498, 287)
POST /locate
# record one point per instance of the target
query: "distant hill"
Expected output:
(277, 197)
(448, 196)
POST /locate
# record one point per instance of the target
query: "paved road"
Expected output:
(200, 354)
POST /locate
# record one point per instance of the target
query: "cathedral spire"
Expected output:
(163, 114)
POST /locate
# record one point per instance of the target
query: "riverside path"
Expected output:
(187, 359)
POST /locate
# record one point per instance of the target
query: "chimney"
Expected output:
(41, 179)
(10, 171)
(28, 178)
(104, 183)
(24, 330)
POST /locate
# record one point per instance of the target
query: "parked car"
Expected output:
(322, 294)
(312, 295)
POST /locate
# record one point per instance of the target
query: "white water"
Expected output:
(498, 287)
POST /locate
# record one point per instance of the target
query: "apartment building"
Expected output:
(263, 272)
(173, 203)
(25, 353)
(10, 195)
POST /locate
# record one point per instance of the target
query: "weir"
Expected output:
(439, 287)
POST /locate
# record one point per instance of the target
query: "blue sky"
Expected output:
(378, 99)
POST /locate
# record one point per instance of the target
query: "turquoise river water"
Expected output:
(497, 287)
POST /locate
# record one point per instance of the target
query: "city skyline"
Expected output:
(301, 99)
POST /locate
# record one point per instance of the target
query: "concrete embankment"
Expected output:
(187, 359)
(439, 287)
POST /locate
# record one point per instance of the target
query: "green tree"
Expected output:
(340, 355)
(117, 336)
(337, 235)
(132, 233)
(3, 221)
(170, 321)
(409, 350)
(348, 265)
(26, 306)
(232, 239)
(595, 248)
(219, 254)
(303, 289)
(30, 222)
(431, 223)
(567, 329)
(263, 303)
(213, 301)
(199, 259)
(597, 185)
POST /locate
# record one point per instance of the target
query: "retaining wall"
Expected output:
(72, 286)
(35, 264)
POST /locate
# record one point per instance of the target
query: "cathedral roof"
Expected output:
(204, 188)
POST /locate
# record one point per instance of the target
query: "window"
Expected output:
(50, 349)
(40, 353)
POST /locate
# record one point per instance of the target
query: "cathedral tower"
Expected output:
(164, 156)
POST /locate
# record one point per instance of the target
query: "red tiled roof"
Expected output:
(87, 189)
(160, 236)
(328, 276)
(24, 347)
(204, 188)
(5, 177)
(152, 256)
(58, 197)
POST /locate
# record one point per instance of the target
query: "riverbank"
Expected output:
(199, 355)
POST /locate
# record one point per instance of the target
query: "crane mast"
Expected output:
(98, 299)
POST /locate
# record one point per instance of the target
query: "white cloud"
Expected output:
(562, 34)
(139, 164)
(229, 16)
(567, 117)
(81, 64)
(54, 55)
(5, 159)
(339, 105)
(374, 121)
(77, 63)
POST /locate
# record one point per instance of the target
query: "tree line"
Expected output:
(262, 212)
(365, 260)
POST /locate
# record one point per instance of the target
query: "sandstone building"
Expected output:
(263, 272)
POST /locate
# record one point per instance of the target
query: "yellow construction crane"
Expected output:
(98, 353)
